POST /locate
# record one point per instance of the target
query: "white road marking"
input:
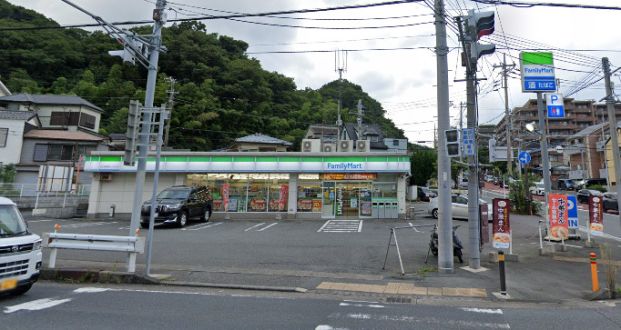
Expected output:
(36, 305)
(428, 320)
(328, 327)
(575, 246)
(361, 301)
(30, 221)
(88, 224)
(341, 226)
(268, 226)
(257, 225)
(344, 304)
(482, 310)
(360, 227)
(90, 290)
(618, 239)
(204, 227)
(411, 225)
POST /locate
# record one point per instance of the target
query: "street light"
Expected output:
(531, 127)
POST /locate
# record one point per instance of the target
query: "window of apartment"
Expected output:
(87, 121)
(4, 133)
(64, 118)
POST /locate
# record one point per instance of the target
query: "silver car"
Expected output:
(459, 206)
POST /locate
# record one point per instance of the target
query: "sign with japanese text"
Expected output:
(596, 215)
(468, 140)
(537, 72)
(501, 225)
(349, 176)
(225, 195)
(559, 225)
(572, 212)
(284, 195)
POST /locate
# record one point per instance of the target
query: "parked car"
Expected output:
(565, 184)
(20, 251)
(425, 194)
(584, 194)
(538, 189)
(177, 204)
(459, 207)
(508, 182)
(489, 178)
(463, 184)
(586, 183)
(610, 202)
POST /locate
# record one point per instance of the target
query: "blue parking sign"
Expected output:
(572, 211)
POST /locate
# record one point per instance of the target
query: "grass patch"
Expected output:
(424, 270)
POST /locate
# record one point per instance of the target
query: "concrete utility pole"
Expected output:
(505, 72)
(612, 123)
(156, 42)
(445, 213)
(473, 168)
(340, 66)
(170, 105)
(462, 105)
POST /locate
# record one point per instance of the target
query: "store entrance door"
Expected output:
(352, 199)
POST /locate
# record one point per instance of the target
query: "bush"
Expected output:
(597, 187)
(519, 195)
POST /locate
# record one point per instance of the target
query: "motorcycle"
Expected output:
(457, 245)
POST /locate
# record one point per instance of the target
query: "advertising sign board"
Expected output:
(501, 225)
(225, 196)
(537, 72)
(559, 226)
(596, 215)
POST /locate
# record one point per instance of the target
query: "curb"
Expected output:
(94, 276)
(235, 286)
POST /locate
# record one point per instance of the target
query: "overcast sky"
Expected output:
(402, 80)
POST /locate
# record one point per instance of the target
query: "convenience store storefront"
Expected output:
(289, 185)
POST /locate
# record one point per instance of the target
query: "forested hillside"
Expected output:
(222, 93)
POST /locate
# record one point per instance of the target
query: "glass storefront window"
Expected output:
(257, 196)
(279, 196)
(309, 196)
(385, 190)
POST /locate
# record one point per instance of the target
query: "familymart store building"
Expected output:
(263, 185)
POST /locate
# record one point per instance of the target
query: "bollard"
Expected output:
(594, 279)
(501, 269)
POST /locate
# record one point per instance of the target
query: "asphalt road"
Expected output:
(65, 306)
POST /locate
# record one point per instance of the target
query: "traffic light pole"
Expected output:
(144, 135)
(445, 213)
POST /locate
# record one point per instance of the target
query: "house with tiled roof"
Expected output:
(261, 143)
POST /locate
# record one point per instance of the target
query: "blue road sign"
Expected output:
(572, 211)
(556, 107)
(468, 141)
(524, 157)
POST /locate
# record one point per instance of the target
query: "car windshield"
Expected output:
(174, 194)
(11, 222)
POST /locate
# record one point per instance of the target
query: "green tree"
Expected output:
(423, 165)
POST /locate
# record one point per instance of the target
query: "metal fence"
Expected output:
(29, 196)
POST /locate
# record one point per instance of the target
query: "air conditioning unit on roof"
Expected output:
(311, 145)
(328, 147)
(363, 146)
(346, 145)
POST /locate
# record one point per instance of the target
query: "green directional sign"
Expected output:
(537, 72)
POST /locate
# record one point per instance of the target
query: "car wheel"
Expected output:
(206, 215)
(434, 213)
(459, 256)
(182, 219)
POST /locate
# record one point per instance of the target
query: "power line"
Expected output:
(545, 4)
(212, 17)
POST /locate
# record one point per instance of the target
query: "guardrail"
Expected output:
(131, 245)
(31, 190)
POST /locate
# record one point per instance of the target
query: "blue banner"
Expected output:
(572, 211)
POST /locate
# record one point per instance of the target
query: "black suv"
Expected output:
(566, 184)
(176, 204)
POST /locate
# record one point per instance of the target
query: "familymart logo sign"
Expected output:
(344, 166)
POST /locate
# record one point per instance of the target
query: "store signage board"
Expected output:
(572, 211)
(501, 227)
(344, 166)
(555, 106)
(537, 70)
(596, 215)
(557, 207)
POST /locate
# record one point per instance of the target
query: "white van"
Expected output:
(20, 251)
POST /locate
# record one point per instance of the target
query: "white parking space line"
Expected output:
(204, 227)
(35, 305)
(268, 226)
(341, 226)
(255, 226)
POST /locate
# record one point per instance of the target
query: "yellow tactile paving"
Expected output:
(403, 289)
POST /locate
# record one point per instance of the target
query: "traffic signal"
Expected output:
(131, 135)
(451, 137)
(478, 25)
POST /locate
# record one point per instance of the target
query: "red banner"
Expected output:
(284, 194)
(596, 215)
(225, 196)
(557, 211)
(501, 226)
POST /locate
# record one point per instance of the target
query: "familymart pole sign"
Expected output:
(537, 72)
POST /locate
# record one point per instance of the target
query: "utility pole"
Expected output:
(145, 133)
(462, 105)
(359, 117)
(445, 213)
(171, 102)
(505, 72)
(340, 66)
(612, 123)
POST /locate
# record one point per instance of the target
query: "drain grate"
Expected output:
(399, 300)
